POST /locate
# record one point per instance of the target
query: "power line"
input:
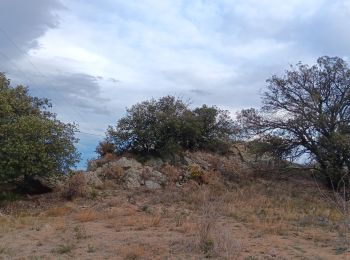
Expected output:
(22, 52)
(89, 133)
(34, 67)
(17, 68)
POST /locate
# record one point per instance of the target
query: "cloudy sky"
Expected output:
(94, 58)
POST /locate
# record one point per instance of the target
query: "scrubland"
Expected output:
(222, 212)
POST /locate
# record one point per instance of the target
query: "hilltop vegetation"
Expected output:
(33, 142)
(168, 126)
(173, 181)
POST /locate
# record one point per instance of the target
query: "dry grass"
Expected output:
(115, 173)
(58, 211)
(275, 210)
(226, 215)
(133, 252)
(75, 187)
(86, 215)
(172, 173)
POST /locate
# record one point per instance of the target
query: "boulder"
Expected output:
(155, 162)
(92, 165)
(133, 178)
(93, 180)
(153, 179)
(127, 163)
(150, 184)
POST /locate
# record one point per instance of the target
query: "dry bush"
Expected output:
(86, 215)
(104, 148)
(114, 173)
(195, 173)
(75, 187)
(207, 222)
(96, 163)
(172, 173)
(225, 245)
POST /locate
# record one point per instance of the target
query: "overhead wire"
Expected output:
(36, 69)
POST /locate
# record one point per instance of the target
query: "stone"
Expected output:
(127, 163)
(152, 184)
(133, 178)
(92, 165)
(155, 163)
(188, 161)
(153, 179)
(93, 180)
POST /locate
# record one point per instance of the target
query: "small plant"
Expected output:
(64, 249)
(207, 246)
(80, 232)
(3, 250)
(93, 194)
(8, 196)
(91, 249)
(196, 173)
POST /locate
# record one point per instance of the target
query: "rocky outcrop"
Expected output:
(92, 180)
(134, 174)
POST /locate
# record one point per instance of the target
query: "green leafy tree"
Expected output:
(167, 126)
(32, 141)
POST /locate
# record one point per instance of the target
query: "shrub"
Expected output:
(167, 126)
(104, 148)
(32, 141)
(75, 187)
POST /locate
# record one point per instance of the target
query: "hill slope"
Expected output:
(204, 206)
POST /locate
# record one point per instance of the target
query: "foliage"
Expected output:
(32, 141)
(167, 126)
(307, 112)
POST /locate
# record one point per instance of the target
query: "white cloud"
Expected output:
(215, 52)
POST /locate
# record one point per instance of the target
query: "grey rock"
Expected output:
(133, 178)
(188, 161)
(93, 180)
(153, 179)
(92, 165)
(152, 184)
(127, 163)
(155, 163)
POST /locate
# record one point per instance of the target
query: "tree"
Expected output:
(32, 141)
(216, 128)
(167, 125)
(308, 111)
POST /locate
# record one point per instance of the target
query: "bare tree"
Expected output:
(308, 110)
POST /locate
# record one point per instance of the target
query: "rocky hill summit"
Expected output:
(197, 167)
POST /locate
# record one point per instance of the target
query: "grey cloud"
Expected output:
(74, 90)
(200, 92)
(327, 32)
(114, 80)
(23, 22)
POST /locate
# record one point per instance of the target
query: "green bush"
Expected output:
(166, 126)
(32, 141)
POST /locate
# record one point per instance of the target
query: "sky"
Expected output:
(93, 59)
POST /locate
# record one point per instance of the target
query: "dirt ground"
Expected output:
(263, 219)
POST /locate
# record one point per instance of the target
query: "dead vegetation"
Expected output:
(220, 211)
